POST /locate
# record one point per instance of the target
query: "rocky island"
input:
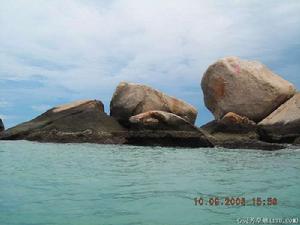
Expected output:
(253, 108)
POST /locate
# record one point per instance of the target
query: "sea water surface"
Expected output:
(91, 184)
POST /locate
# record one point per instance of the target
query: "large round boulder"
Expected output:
(247, 88)
(131, 99)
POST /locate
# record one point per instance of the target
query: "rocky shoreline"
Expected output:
(253, 108)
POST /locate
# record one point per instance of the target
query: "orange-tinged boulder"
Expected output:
(247, 88)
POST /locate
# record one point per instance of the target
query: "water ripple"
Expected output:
(110, 184)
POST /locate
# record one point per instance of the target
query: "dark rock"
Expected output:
(250, 144)
(247, 88)
(86, 121)
(132, 99)
(81, 121)
(190, 139)
(2, 128)
(283, 125)
(231, 123)
(297, 141)
(234, 131)
(158, 128)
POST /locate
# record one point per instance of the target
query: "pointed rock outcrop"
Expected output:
(81, 121)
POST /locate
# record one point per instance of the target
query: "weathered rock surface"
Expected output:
(1, 125)
(81, 121)
(131, 99)
(190, 139)
(283, 125)
(235, 131)
(86, 121)
(158, 128)
(159, 120)
(247, 88)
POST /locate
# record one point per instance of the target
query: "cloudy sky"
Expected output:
(57, 51)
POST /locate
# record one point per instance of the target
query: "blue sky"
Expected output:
(53, 52)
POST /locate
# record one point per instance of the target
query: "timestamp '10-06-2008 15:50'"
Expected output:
(236, 201)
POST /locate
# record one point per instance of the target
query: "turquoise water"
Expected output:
(104, 184)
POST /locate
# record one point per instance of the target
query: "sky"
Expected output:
(55, 52)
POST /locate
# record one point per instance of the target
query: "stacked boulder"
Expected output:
(154, 118)
(132, 99)
(253, 92)
(247, 88)
(140, 115)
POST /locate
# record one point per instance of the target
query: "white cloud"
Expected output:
(83, 45)
(90, 46)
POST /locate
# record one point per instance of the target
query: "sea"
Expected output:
(91, 184)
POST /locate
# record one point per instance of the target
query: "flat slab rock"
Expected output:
(283, 125)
